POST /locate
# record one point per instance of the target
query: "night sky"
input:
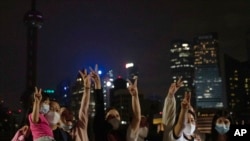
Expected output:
(82, 33)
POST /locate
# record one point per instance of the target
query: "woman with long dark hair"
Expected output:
(220, 126)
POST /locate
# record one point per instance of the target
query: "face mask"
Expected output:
(143, 131)
(66, 127)
(221, 128)
(114, 122)
(44, 108)
(189, 129)
(52, 117)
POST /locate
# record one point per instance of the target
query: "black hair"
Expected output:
(109, 109)
(45, 96)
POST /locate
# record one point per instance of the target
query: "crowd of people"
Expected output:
(47, 121)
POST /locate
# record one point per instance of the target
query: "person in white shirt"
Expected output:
(179, 127)
(133, 128)
(143, 130)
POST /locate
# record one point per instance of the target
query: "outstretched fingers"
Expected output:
(186, 100)
(38, 94)
(179, 82)
(188, 96)
(83, 74)
(96, 69)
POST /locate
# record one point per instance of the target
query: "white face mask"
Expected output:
(143, 132)
(189, 129)
(52, 117)
(66, 127)
(44, 108)
(115, 123)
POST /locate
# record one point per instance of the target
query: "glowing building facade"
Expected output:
(237, 85)
(208, 81)
(181, 64)
(108, 84)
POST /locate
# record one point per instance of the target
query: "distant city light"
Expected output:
(128, 65)
(123, 122)
(108, 83)
(50, 91)
(100, 72)
(65, 88)
(184, 44)
(9, 112)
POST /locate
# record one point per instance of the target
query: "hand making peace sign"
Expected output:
(132, 88)
(38, 94)
(185, 104)
(95, 77)
(86, 79)
(174, 87)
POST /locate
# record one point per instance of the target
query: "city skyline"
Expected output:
(79, 34)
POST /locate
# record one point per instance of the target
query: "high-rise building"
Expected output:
(233, 83)
(208, 80)
(182, 65)
(34, 21)
(108, 84)
(238, 87)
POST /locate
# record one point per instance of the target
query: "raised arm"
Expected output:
(36, 105)
(99, 120)
(133, 90)
(169, 108)
(95, 77)
(83, 112)
(185, 105)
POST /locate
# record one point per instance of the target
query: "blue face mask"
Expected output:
(221, 128)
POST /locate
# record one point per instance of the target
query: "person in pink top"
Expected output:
(39, 126)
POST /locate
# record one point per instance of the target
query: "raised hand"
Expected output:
(132, 88)
(36, 105)
(86, 79)
(95, 77)
(25, 130)
(185, 104)
(38, 95)
(174, 87)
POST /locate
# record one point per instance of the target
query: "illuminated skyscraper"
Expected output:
(208, 81)
(108, 84)
(181, 64)
(238, 87)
